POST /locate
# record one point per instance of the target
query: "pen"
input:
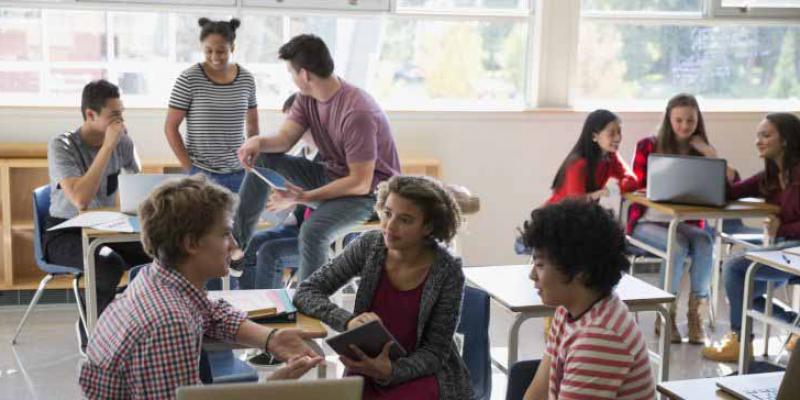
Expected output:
(788, 261)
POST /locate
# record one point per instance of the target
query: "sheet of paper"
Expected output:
(101, 220)
(795, 251)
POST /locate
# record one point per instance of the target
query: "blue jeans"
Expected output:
(232, 180)
(269, 252)
(331, 218)
(734, 274)
(690, 241)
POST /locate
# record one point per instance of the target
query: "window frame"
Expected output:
(716, 9)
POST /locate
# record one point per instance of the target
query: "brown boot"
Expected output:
(697, 307)
(675, 335)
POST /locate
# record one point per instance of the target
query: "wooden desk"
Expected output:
(510, 286)
(683, 212)
(706, 388)
(776, 259)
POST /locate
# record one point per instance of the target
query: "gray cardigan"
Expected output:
(439, 310)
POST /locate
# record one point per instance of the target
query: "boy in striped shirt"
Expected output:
(594, 349)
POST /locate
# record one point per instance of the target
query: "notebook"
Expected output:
(261, 305)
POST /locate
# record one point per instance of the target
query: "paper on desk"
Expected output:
(101, 220)
(795, 251)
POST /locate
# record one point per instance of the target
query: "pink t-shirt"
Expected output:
(348, 128)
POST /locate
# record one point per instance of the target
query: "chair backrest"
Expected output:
(520, 376)
(41, 210)
(474, 325)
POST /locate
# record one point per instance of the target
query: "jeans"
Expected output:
(690, 241)
(734, 274)
(232, 180)
(331, 218)
(269, 252)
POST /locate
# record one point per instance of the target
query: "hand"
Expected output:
(362, 319)
(290, 343)
(702, 147)
(249, 151)
(114, 132)
(379, 368)
(730, 173)
(295, 368)
(283, 199)
(771, 225)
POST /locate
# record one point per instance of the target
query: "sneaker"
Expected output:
(727, 350)
(80, 334)
(792, 342)
(263, 359)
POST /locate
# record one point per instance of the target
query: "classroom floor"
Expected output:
(45, 362)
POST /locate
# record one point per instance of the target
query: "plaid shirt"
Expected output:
(147, 343)
(644, 148)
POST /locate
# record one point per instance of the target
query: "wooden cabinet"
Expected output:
(23, 167)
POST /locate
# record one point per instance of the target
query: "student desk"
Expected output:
(705, 388)
(684, 212)
(774, 259)
(510, 286)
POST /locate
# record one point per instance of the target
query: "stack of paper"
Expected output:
(263, 305)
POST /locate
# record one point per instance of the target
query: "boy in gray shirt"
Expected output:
(84, 165)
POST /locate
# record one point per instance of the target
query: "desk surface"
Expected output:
(511, 286)
(740, 208)
(776, 259)
(705, 388)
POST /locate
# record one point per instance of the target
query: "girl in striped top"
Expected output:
(217, 98)
(595, 350)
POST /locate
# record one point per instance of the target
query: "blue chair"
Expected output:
(217, 366)
(474, 325)
(520, 376)
(41, 210)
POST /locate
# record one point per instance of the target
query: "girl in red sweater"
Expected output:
(594, 155)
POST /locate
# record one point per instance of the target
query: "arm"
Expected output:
(174, 118)
(540, 385)
(623, 174)
(357, 183)
(575, 179)
(750, 187)
(82, 190)
(289, 133)
(252, 122)
(432, 349)
(313, 294)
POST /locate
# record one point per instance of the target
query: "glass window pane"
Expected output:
(619, 61)
(259, 38)
(140, 36)
(642, 5)
(187, 31)
(463, 4)
(20, 34)
(762, 3)
(19, 82)
(72, 80)
(76, 35)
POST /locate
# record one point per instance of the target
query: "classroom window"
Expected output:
(642, 5)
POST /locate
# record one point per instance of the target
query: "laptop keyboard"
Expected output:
(762, 394)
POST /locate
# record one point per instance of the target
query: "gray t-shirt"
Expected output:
(69, 157)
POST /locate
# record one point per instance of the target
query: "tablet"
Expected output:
(271, 177)
(370, 338)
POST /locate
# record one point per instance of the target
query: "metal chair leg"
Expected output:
(35, 300)
(78, 301)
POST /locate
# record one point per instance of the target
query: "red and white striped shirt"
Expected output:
(147, 343)
(601, 355)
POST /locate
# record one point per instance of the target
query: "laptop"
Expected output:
(329, 389)
(134, 189)
(686, 180)
(773, 386)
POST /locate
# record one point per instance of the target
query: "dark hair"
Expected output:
(440, 209)
(288, 103)
(95, 94)
(586, 148)
(665, 140)
(308, 52)
(226, 29)
(788, 127)
(581, 239)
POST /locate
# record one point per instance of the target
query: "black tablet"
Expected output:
(370, 338)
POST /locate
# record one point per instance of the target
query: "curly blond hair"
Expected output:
(178, 209)
(440, 209)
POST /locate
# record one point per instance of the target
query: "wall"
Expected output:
(508, 159)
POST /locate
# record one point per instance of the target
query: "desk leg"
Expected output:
(768, 312)
(90, 293)
(747, 321)
(717, 265)
(664, 343)
(672, 232)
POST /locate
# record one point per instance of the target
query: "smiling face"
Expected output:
(769, 142)
(683, 120)
(553, 286)
(110, 112)
(610, 137)
(403, 223)
(217, 51)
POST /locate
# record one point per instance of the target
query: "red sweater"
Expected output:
(788, 200)
(574, 184)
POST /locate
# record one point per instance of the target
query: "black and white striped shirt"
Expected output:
(215, 116)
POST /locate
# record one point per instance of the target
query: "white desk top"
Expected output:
(511, 286)
(776, 259)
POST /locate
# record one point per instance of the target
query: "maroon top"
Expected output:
(398, 311)
(788, 200)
